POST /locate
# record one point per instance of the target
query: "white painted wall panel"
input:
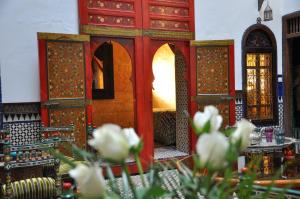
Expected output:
(228, 19)
(20, 20)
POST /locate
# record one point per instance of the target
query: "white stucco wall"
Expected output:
(228, 19)
(20, 20)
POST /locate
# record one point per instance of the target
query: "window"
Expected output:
(103, 72)
(259, 75)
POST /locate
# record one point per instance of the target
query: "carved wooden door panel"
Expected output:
(215, 77)
(65, 82)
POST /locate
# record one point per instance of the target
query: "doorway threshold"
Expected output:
(167, 152)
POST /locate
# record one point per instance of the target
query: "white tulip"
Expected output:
(212, 149)
(110, 142)
(211, 114)
(90, 180)
(132, 137)
(242, 133)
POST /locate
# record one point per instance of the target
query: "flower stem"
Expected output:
(132, 187)
(140, 168)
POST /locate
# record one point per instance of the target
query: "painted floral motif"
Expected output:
(212, 70)
(164, 10)
(169, 25)
(76, 116)
(65, 62)
(111, 20)
(111, 5)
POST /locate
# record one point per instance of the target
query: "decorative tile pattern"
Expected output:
(212, 70)
(169, 25)
(23, 133)
(66, 76)
(111, 5)
(111, 20)
(239, 111)
(166, 10)
(170, 180)
(21, 108)
(182, 124)
(20, 112)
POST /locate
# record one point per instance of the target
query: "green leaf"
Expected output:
(229, 131)
(82, 153)
(112, 180)
(62, 157)
(206, 127)
(126, 186)
(151, 192)
(137, 149)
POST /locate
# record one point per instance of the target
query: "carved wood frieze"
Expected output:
(166, 24)
(111, 5)
(167, 10)
(101, 19)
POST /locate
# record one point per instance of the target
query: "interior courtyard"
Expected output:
(68, 67)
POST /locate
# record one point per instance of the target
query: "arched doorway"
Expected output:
(169, 103)
(113, 85)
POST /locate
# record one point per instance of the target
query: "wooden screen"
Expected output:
(215, 77)
(65, 84)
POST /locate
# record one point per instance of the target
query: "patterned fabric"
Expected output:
(33, 188)
(165, 127)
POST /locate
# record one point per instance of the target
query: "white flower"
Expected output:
(211, 114)
(90, 180)
(132, 137)
(242, 133)
(110, 142)
(212, 149)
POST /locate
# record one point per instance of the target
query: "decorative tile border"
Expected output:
(20, 112)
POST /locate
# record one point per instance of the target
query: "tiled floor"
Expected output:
(165, 152)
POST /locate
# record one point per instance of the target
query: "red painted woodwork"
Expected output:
(43, 70)
(232, 85)
(120, 13)
(177, 15)
(193, 92)
(169, 15)
(43, 80)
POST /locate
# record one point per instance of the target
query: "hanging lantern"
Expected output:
(268, 13)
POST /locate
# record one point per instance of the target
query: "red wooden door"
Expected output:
(213, 76)
(65, 80)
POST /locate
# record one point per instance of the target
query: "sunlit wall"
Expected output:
(164, 90)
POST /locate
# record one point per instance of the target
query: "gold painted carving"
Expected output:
(212, 43)
(110, 31)
(129, 32)
(169, 34)
(63, 37)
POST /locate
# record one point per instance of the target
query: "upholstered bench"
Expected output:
(164, 126)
